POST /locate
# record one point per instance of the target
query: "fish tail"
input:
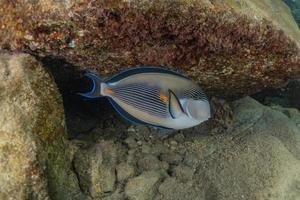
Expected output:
(97, 84)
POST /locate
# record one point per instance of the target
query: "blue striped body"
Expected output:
(155, 97)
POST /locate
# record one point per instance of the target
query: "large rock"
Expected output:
(275, 11)
(143, 186)
(261, 158)
(34, 155)
(231, 53)
(96, 169)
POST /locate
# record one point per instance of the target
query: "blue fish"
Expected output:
(153, 97)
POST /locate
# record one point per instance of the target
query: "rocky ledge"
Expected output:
(232, 49)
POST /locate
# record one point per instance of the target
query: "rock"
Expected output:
(146, 149)
(183, 173)
(191, 160)
(259, 160)
(35, 158)
(230, 52)
(96, 169)
(131, 142)
(179, 137)
(151, 162)
(275, 11)
(249, 113)
(159, 148)
(171, 189)
(143, 187)
(124, 171)
(171, 158)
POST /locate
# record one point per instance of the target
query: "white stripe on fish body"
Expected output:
(181, 86)
(139, 96)
(180, 123)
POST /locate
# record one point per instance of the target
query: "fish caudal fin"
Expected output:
(96, 91)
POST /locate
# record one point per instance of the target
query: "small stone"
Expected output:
(159, 148)
(124, 171)
(172, 158)
(81, 33)
(149, 162)
(131, 129)
(146, 148)
(143, 187)
(179, 138)
(96, 169)
(173, 143)
(191, 160)
(131, 142)
(172, 189)
(183, 172)
(131, 158)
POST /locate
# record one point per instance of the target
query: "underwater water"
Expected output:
(58, 145)
(295, 8)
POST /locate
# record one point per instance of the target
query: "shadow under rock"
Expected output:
(82, 115)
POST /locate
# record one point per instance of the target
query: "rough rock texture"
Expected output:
(276, 11)
(263, 160)
(257, 158)
(143, 187)
(34, 156)
(230, 53)
(95, 168)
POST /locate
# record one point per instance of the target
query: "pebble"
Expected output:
(124, 171)
(143, 187)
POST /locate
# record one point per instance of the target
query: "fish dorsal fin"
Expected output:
(131, 118)
(143, 69)
(175, 107)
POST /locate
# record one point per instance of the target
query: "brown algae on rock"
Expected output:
(229, 53)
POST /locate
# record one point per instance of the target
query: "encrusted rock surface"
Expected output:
(230, 53)
(96, 168)
(35, 159)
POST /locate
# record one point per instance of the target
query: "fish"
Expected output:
(153, 96)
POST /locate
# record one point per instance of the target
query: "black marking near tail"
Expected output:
(96, 91)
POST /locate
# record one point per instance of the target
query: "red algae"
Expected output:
(229, 54)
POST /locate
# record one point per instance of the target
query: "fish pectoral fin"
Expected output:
(175, 107)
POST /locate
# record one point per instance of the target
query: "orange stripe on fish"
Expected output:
(164, 98)
(108, 91)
